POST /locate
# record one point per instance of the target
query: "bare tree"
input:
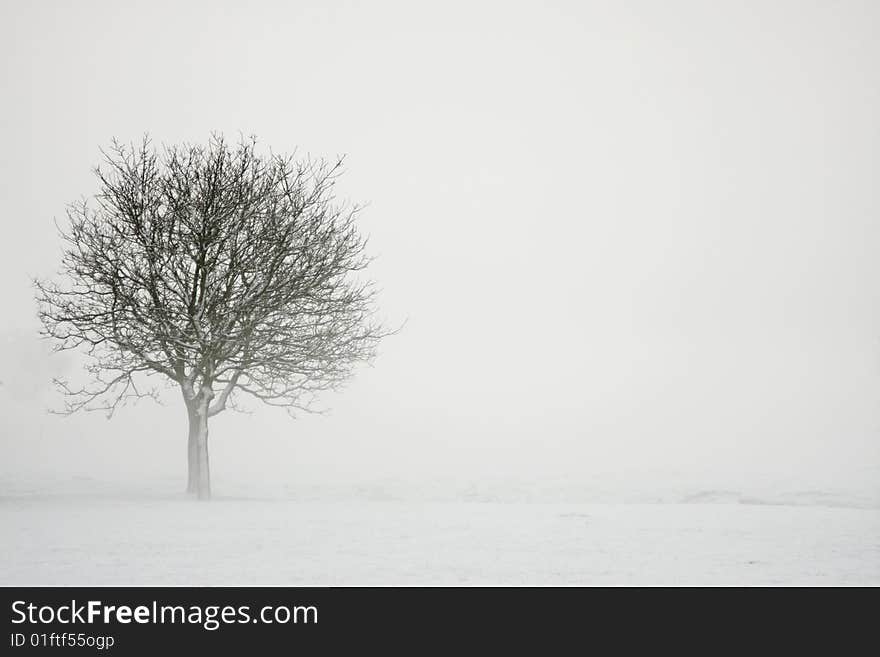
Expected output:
(222, 271)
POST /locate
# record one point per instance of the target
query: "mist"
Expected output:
(627, 242)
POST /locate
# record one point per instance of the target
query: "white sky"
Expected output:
(626, 236)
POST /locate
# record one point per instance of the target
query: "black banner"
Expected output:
(128, 621)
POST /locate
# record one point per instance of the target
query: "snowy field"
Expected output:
(97, 535)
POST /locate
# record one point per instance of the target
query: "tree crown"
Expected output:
(211, 266)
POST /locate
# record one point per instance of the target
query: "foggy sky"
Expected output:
(624, 236)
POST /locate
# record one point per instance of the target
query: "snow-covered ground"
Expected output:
(80, 532)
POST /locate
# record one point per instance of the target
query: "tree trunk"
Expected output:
(203, 483)
(198, 466)
(192, 450)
